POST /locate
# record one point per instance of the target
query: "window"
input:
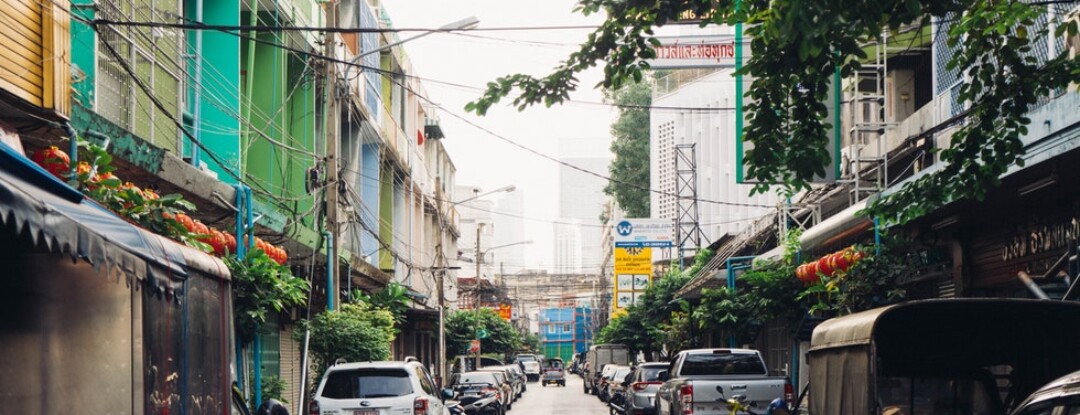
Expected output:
(425, 381)
(155, 56)
(367, 383)
(722, 364)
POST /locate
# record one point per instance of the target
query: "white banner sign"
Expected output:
(715, 51)
(645, 233)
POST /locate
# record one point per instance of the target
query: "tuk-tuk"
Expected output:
(949, 356)
(553, 372)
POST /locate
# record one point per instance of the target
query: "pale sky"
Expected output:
(483, 160)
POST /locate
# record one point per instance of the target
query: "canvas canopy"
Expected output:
(52, 214)
(1034, 339)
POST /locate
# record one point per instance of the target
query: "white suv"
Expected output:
(378, 388)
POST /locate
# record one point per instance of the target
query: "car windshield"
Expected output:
(722, 364)
(649, 374)
(526, 358)
(367, 383)
(621, 374)
(476, 378)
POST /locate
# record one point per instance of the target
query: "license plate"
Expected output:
(366, 412)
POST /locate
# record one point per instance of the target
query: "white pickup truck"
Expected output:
(530, 365)
(700, 381)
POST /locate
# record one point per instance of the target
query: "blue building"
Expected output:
(566, 331)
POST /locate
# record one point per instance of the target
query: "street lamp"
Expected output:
(508, 189)
(466, 23)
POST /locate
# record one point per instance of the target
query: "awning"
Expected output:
(51, 214)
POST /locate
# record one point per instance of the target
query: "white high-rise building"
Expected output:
(568, 248)
(510, 229)
(709, 122)
(581, 201)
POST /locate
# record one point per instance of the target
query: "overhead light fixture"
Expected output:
(1037, 185)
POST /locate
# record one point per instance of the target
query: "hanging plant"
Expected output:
(859, 280)
(262, 286)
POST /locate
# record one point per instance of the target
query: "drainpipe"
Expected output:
(240, 206)
(256, 383)
(249, 219)
(195, 154)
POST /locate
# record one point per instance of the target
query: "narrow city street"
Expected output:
(557, 400)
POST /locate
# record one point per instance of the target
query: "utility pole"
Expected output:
(333, 124)
(479, 227)
(441, 359)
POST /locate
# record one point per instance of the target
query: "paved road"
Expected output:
(556, 400)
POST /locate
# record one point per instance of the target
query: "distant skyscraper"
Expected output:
(581, 201)
(510, 229)
(568, 247)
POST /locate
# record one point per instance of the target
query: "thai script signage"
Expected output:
(713, 51)
(1042, 238)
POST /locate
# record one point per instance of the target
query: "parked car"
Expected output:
(700, 381)
(479, 393)
(607, 375)
(530, 364)
(599, 356)
(639, 395)
(468, 363)
(374, 388)
(614, 386)
(505, 385)
(519, 374)
(516, 384)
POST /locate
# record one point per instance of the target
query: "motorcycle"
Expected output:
(737, 405)
(478, 399)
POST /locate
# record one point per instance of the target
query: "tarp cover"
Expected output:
(37, 205)
(940, 338)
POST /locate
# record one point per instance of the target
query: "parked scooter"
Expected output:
(478, 399)
(737, 404)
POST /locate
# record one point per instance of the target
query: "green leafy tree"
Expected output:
(798, 46)
(530, 342)
(630, 168)
(462, 327)
(658, 319)
(355, 332)
(392, 298)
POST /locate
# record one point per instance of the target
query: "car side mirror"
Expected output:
(663, 376)
(448, 393)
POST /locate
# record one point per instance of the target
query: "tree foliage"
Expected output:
(798, 46)
(391, 298)
(659, 319)
(262, 287)
(462, 326)
(355, 332)
(630, 168)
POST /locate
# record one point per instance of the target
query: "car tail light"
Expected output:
(640, 386)
(789, 393)
(420, 406)
(314, 408)
(686, 399)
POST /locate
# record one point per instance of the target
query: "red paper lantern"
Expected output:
(53, 159)
(824, 266)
